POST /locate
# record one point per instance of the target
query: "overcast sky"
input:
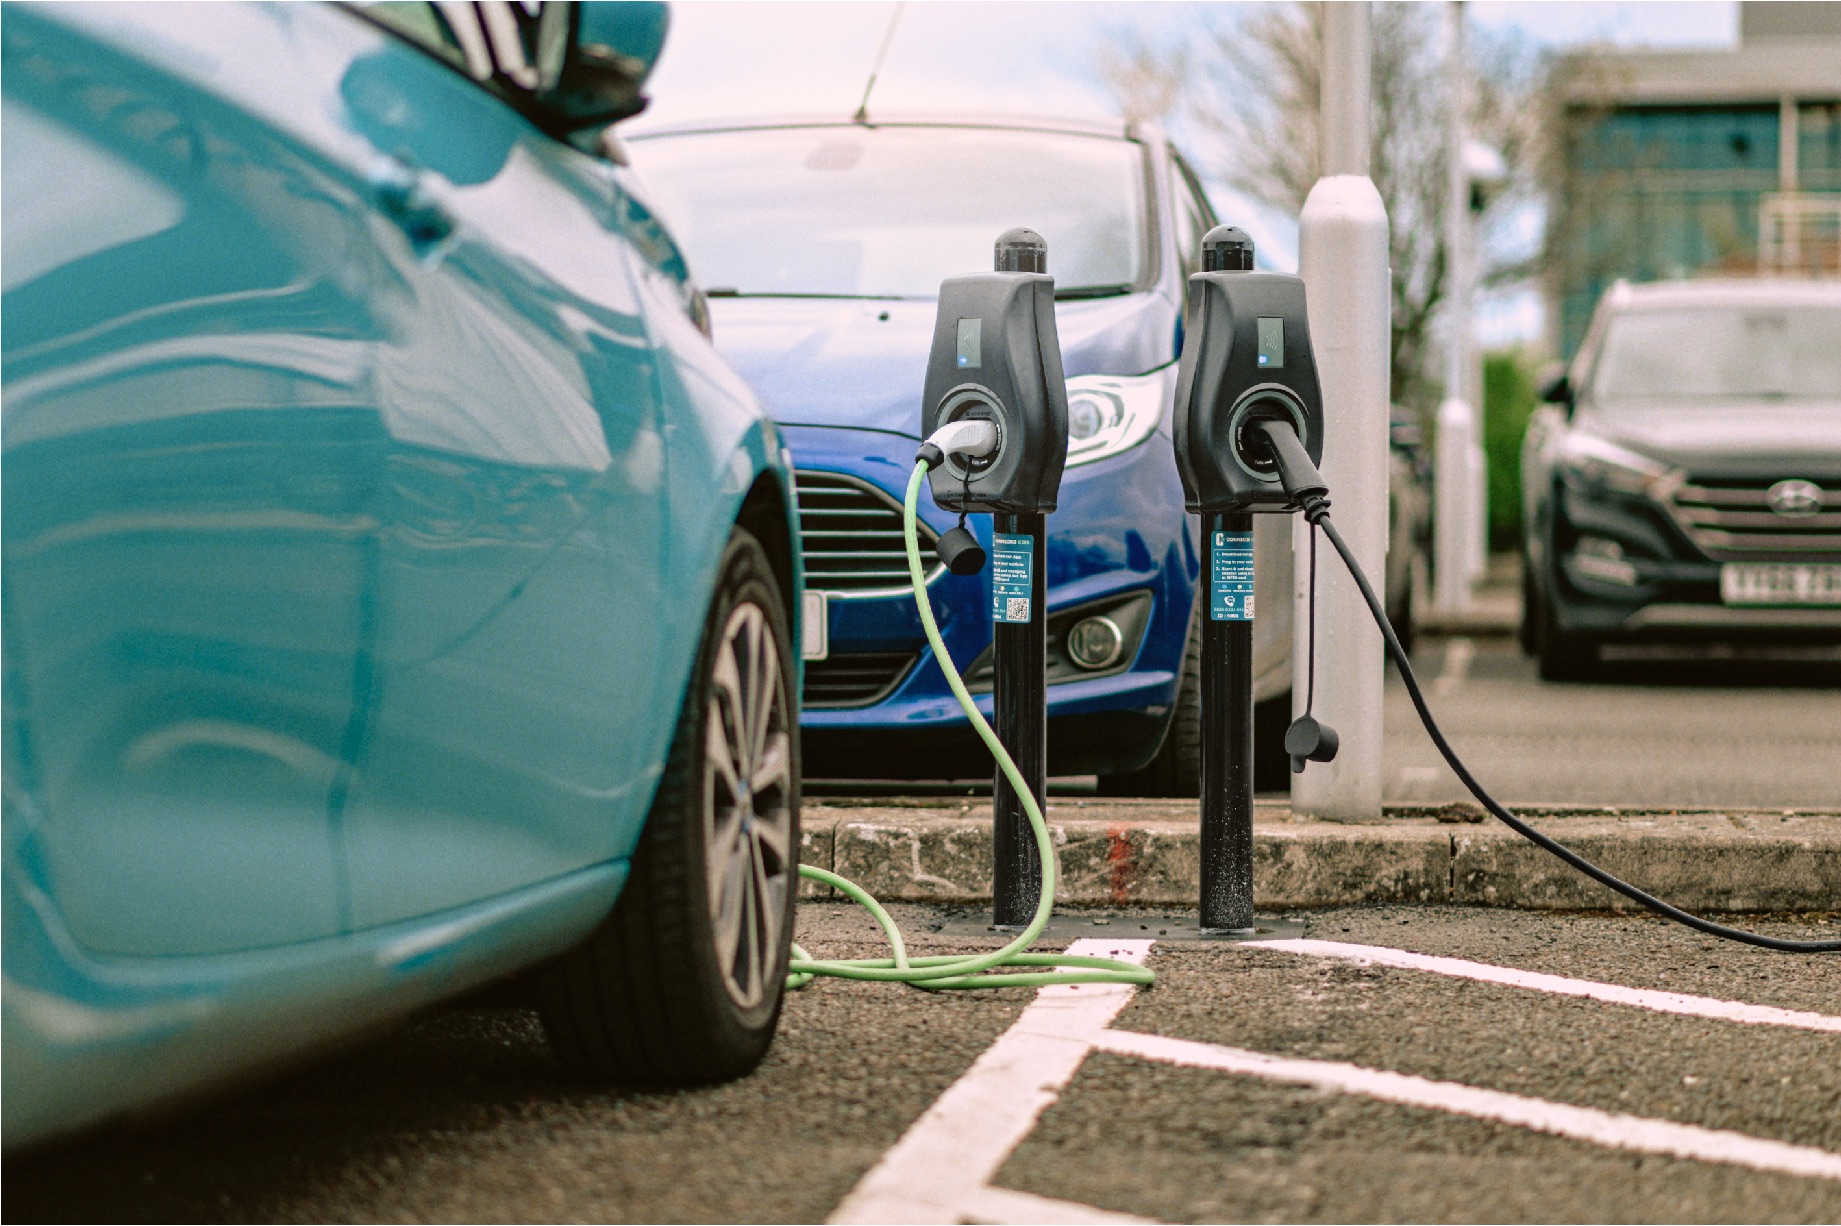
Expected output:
(750, 57)
(725, 57)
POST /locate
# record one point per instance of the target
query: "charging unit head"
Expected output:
(1227, 249)
(996, 356)
(1246, 359)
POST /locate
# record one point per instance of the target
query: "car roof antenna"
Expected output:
(888, 36)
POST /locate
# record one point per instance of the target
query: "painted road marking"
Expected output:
(1459, 652)
(1559, 1119)
(1641, 998)
(941, 1169)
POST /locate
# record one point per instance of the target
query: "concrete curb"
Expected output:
(1125, 853)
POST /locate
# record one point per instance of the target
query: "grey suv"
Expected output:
(1684, 479)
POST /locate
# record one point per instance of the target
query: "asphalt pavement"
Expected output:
(1656, 729)
(463, 1116)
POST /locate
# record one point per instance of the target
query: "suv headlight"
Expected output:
(1600, 464)
(1109, 414)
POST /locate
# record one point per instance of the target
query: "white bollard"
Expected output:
(1453, 492)
(1456, 531)
(1479, 507)
(1343, 256)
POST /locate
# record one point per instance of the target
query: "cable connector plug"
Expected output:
(1306, 486)
(972, 438)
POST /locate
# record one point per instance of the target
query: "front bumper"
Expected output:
(1120, 530)
(1663, 587)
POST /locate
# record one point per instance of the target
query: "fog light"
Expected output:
(1095, 643)
(1087, 416)
(1599, 558)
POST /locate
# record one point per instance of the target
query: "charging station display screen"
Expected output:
(1271, 343)
(971, 341)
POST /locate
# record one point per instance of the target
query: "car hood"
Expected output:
(1751, 438)
(863, 362)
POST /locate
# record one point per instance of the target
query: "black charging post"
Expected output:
(996, 356)
(1227, 684)
(1246, 359)
(1020, 701)
(1019, 659)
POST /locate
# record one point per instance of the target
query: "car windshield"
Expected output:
(1722, 353)
(890, 212)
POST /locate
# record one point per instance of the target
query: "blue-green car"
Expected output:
(398, 589)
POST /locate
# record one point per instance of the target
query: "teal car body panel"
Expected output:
(365, 483)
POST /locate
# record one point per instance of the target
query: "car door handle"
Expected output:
(401, 194)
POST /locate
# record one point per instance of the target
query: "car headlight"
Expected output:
(1108, 414)
(1598, 463)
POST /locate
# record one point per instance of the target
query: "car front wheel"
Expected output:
(1176, 771)
(682, 983)
(1564, 655)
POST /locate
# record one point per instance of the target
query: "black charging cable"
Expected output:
(1308, 739)
(1310, 686)
(1307, 490)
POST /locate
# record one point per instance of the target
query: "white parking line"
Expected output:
(1641, 998)
(1459, 652)
(940, 1170)
(1559, 1119)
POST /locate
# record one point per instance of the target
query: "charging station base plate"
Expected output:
(1073, 925)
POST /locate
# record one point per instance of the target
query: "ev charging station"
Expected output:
(1246, 362)
(1250, 429)
(996, 357)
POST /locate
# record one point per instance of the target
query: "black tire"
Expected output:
(1271, 764)
(1400, 617)
(1176, 771)
(1564, 655)
(1528, 632)
(650, 998)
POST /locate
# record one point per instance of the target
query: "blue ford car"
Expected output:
(399, 590)
(821, 245)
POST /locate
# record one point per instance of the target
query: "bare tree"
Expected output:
(1149, 83)
(1253, 90)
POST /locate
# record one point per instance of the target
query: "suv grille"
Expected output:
(855, 679)
(1732, 520)
(851, 533)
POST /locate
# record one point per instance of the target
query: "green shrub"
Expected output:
(1508, 401)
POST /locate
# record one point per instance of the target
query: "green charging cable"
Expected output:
(956, 970)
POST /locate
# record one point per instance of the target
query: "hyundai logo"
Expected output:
(1795, 499)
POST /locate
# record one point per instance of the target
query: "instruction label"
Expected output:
(1230, 577)
(1012, 577)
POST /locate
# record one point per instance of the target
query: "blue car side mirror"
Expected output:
(611, 50)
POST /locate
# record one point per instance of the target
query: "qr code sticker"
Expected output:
(1016, 609)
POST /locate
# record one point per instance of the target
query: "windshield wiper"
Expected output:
(729, 291)
(1090, 291)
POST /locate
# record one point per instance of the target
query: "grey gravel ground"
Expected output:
(462, 1116)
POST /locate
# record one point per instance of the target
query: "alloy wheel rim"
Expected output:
(747, 805)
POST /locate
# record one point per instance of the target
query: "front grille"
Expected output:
(1732, 520)
(851, 534)
(855, 679)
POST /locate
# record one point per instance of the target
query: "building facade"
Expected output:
(1670, 164)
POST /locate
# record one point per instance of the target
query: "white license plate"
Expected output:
(1754, 583)
(815, 626)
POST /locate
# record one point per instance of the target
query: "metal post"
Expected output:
(1342, 239)
(1020, 697)
(1227, 751)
